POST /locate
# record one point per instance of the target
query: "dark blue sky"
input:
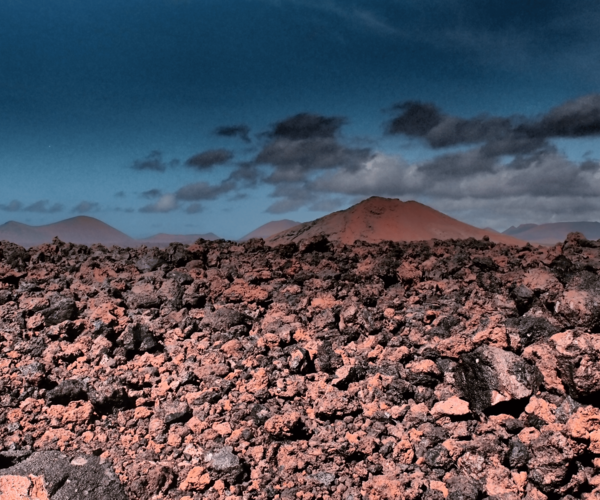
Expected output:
(189, 116)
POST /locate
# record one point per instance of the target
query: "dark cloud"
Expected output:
(300, 147)
(294, 159)
(204, 191)
(152, 193)
(43, 206)
(576, 118)
(417, 119)
(241, 131)
(85, 207)
(194, 208)
(154, 161)
(120, 194)
(13, 206)
(500, 135)
(426, 121)
(210, 158)
(307, 126)
(166, 203)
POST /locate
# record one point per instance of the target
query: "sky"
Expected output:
(196, 116)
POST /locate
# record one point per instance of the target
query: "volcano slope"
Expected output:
(425, 370)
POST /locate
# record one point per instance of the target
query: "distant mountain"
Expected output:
(377, 219)
(162, 240)
(81, 230)
(548, 234)
(512, 230)
(87, 231)
(270, 228)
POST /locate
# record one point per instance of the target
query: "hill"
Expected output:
(378, 219)
(548, 234)
(81, 230)
(270, 228)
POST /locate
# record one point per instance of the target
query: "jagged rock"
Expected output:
(489, 376)
(226, 464)
(50, 475)
(67, 391)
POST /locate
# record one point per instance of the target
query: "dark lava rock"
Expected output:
(518, 454)
(462, 488)
(489, 376)
(532, 329)
(138, 337)
(84, 477)
(226, 464)
(106, 396)
(67, 391)
(223, 319)
(62, 309)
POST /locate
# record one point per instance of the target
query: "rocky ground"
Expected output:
(429, 370)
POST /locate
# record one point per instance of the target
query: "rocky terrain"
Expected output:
(457, 369)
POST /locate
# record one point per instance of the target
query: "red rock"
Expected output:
(453, 406)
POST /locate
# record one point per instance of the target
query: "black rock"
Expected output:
(223, 319)
(83, 477)
(107, 396)
(532, 329)
(138, 337)
(462, 488)
(518, 454)
(226, 464)
(67, 391)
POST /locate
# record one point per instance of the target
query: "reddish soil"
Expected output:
(425, 370)
(382, 219)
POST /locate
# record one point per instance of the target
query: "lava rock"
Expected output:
(489, 376)
(83, 477)
(67, 391)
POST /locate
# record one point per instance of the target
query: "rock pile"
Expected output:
(426, 370)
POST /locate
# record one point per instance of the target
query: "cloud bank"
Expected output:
(487, 169)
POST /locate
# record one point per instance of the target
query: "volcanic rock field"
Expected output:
(458, 369)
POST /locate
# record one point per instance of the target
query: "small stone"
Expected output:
(451, 407)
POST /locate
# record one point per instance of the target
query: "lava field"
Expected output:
(459, 369)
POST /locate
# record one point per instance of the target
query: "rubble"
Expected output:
(458, 369)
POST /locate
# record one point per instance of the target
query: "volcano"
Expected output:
(379, 219)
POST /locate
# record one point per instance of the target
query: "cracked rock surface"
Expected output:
(426, 370)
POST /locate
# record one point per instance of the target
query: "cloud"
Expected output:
(13, 206)
(293, 160)
(241, 131)
(501, 135)
(166, 203)
(307, 126)
(298, 148)
(152, 193)
(306, 143)
(500, 158)
(194, 208)
(154, 162)
(210, 158)
(85, 207)
(426, 121)
(204, 191)
(43, 206)
(120, 194)
(576, 118)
